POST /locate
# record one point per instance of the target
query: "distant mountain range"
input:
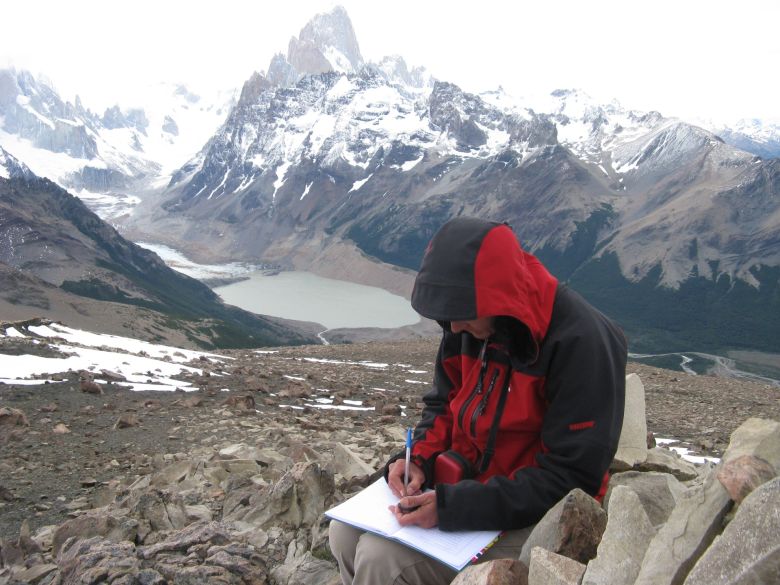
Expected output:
(122, 152)
(330, 163)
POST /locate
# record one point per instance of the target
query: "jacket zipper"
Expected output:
(483, 403)
(478, 388)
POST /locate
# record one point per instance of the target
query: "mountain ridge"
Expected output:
(327, 152)
(51, 236)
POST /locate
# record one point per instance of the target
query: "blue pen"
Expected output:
(404, 509)
(408, 460)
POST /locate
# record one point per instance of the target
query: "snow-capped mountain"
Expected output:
(291, 155)
(753, 135)
(333, 152)
(12, 168)
(116, 153)
(330, 163)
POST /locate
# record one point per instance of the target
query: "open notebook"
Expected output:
(368, 510)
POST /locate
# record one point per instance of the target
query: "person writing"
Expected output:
(526, 405)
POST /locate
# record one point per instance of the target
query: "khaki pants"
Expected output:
(368, 559)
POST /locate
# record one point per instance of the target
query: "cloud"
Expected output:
(678, 57)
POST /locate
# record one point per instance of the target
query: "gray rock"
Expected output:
(756, 436)
(301, 567)
(11, 553)
(199, 513)
(748, 551)
(348, 464)
(572, 528)
(666, 461)
(173, 474)
(211, 533)
(297, 499)
(163, 509)
(95, 560)
(658, 492)
(86, 526)
(126, 420)
(632, 447)
(548, 568)
(197, 575)
(263, 457)
(12, 421)
(34, 574)
(743, 474)
(690, 529)
(241, 560)
(624, 543)
(498, 572)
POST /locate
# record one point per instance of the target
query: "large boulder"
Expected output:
(748, 551)
(666, 461)
(743, 474)
(691, 527)
(97, 560)
(107, 527)
(301, 567)
(658, 492)
(632, 447)
(498, 572)
(624, 543)
(756, 436)
(572, 528)
(549, 568)
(298, 499)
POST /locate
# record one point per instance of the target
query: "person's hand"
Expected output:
(425, 515)
(395, 478)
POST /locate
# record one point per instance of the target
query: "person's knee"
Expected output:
(342, 538)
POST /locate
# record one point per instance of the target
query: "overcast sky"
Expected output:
(714, 58)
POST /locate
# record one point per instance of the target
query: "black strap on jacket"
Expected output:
(490, 448)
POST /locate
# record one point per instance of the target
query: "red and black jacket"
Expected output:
(558, 361)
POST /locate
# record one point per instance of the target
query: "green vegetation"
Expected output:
(703, 314)
(400, 235)
(582, 246)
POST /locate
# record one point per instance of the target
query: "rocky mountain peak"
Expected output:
(31, 109)
(280, 72)
(326, 43)
(11, 168)
(332, 34)
(394, 69)
(253, 87)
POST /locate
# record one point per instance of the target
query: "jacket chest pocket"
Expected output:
(476, 404)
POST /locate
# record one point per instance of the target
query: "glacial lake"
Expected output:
(307, 297)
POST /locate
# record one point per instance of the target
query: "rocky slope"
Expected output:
(52, 244)
(247, 463)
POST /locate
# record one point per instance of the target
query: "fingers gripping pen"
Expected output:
(405, 509)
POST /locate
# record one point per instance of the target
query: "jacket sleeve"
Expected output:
(585, 390)
(432, 435)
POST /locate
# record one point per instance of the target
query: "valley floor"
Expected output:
(309, 393)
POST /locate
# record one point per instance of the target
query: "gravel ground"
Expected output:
(46, 475)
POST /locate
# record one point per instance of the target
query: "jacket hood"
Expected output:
(476, 268)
